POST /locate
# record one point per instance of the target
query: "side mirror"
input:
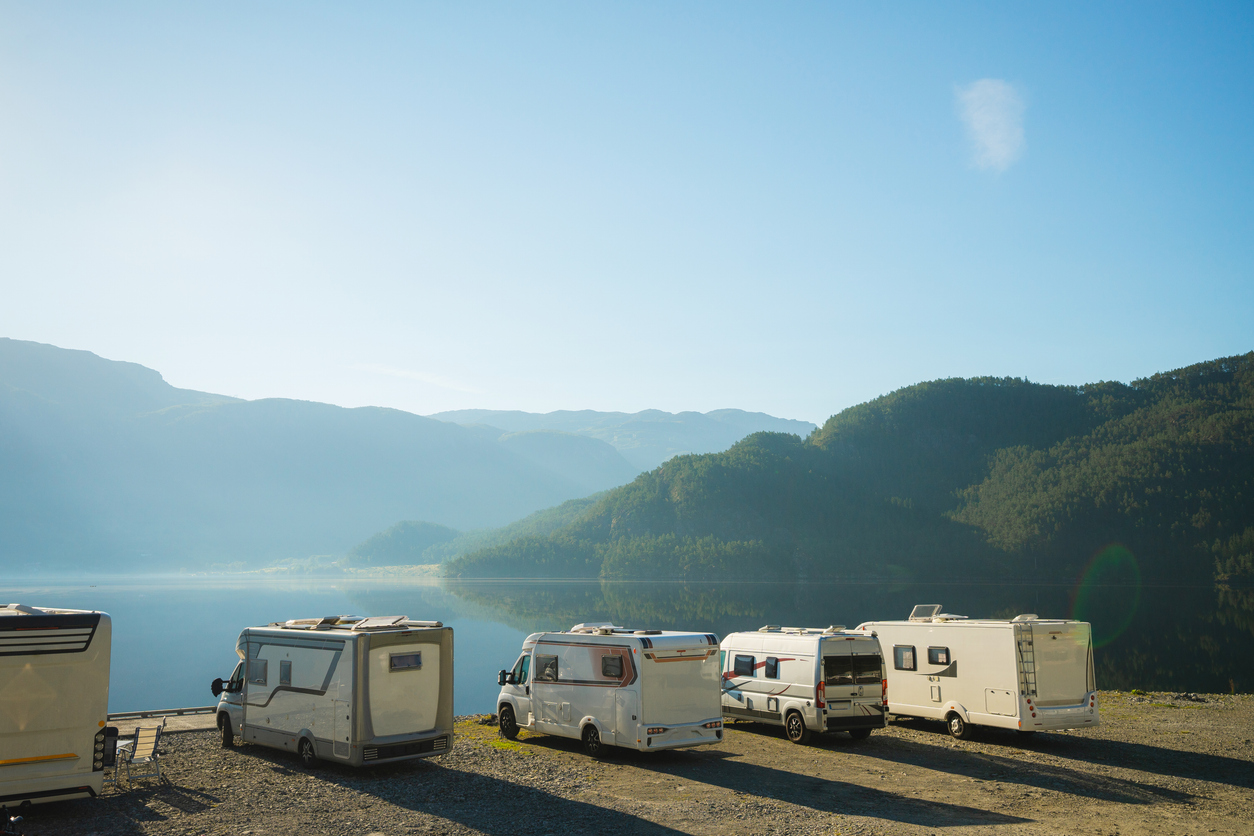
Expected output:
(217, 687)
(502, 677)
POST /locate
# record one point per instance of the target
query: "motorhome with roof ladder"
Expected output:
(805, 679)
(345, 689)
(1029, 673)
(611, 686)
(54, 703)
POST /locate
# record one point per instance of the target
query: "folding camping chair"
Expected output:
(142, 752)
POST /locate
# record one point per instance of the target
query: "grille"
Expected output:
(401, 750)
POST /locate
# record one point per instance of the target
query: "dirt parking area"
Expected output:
(1159, 764)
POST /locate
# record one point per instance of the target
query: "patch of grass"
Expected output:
(1163, 705)
(507, 745)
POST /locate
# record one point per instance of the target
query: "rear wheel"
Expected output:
(958, 727)
(859, 734)
(306, 750)
(592, 741)
(795, 728)
(508, 725)
(228, 733)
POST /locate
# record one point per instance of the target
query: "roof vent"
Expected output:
(1027, 616)
(648, 633)
(425, 624)
(948, 616)
(593, 626)
(835, 628)
(769, 628)
(924, 612)
(381, 622)
(24, 610)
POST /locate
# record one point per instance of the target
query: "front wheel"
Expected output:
(228, 733)
(507, 723)
(859, 734)
(306, 750)
(795, 728)
(958, 727)
(592, 741)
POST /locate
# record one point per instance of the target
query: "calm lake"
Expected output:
(172, 636)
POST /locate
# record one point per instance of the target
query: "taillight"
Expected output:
(717, 724)
(820, 694)
(884, 690)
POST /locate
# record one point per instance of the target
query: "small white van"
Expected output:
(54, 703)
(1029, 674)
(610, 686)
(351, 690)
(805, 679)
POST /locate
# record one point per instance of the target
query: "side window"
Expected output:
(938, 655)
(772, 667)
(520, 670)
(612, 667)
(722, 661)
(744, 666)
(903, 658)
(285, 673)
(838, 670)
(257, 671)
(237, 676)
(546, 669)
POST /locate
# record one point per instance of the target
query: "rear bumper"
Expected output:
(677, 737)
(878, 720)
(1061, 717)
(42, 790)
(437, 744)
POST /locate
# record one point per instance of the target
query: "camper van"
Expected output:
(54, 702)
(345, 689)
(1030, 674)
(806, 680)
(611, 686)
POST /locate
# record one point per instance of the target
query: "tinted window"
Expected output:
(938, 655)
(744, 666)
(406, 661)
(520, 670)
(838, 670)
(612, 666)
(903, 658)
(772, 667)
(285, 673)
(546, 669)
(868, 669)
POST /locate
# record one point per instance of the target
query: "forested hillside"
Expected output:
(954, 479)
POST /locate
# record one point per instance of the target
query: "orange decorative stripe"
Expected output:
(40, 759)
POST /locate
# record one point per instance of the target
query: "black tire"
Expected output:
(1026, 732)
(795, 728)
(306, 752)
(592, 741)
(958, 727)
(228, 733)
(859, 734)
(507, 723)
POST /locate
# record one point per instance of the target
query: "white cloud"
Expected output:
(993, 112)
(421, 377)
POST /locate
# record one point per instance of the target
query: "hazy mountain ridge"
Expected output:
(108, 466)
(647, 438)
(964, 479)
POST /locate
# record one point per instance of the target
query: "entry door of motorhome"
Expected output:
(625, 712)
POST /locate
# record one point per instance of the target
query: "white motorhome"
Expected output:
(806, 680)
(610, 686)
(1029, 674)
(54, 703)
(350, 690)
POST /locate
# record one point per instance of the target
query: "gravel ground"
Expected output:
(1160, 763)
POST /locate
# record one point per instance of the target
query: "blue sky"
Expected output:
(787, 208)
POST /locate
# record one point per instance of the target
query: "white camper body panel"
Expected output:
(1029, 674)
(645, 690)
(54, 703)
(359, 696)
(772, 672)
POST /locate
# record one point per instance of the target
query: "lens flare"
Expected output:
(1109, 593)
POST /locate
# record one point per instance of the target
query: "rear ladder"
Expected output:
(1026, 658)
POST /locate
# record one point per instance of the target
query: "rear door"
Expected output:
(1062, 652)
(838, 677)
